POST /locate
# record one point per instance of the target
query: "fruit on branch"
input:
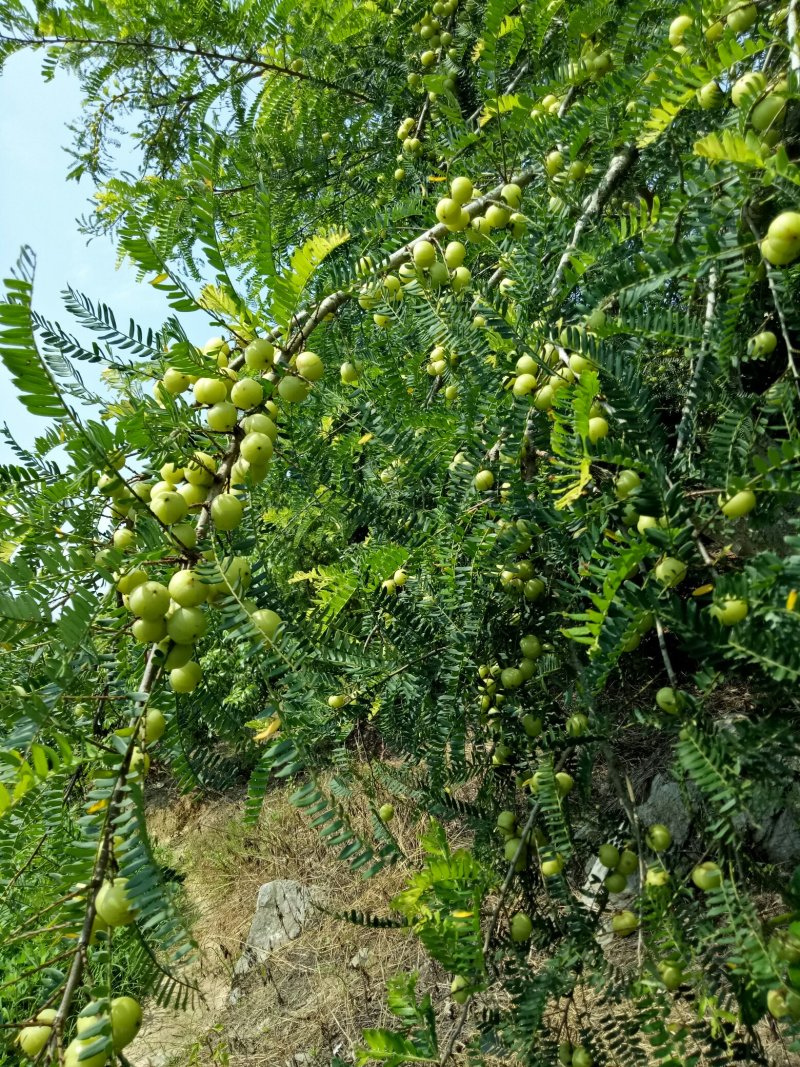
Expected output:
(628, 862)
(707, 876)
(608, 855)
(506, 822)
(521, 927)
(154, 726)
(769, 112)
(175, 381)
(615, 882)
(126, 1019)
(146, 631)
(187, 589)
(448, 211)
(748, 86)
(565, 1053)
(581, 1057)
(762, 344)
(124, 538)
(484, 480)
(658, 837)
(210, 390)
(668, 699)
(386, 812)
(656, 876)
(624, 923)
(454, 254)
(32, 1039)
(310, 366)
(497, 217)
(185, 679)
(150, 600)
(729, 611)
(460, 989)
(709, 95)
(678, 28)
(461, 190)
(267, 621)
(625, 483)
(247, 393)
(598, 429)
(531, 725)
(782, 243)
(577, 725)
(186, 625)
(511, 678)
(200, 469)
(671, 974)
(127, 582)
(226, 511)
(256, 447)
(75, 1054)
(670, 571)
(112, 903)
(553, 163)
(553, 866)
(741, 17)
(259, 354)
(222, 417)
(292, 389)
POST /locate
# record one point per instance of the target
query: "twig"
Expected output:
(794, 43)
(693, 394)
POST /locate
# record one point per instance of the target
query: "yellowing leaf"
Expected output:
(436, 178)
(573, 494)
(99, 805)
(272, 728)
(791, 600)
(498, 106)
(701, 590)
(365, 438)
(730, 146)
(159, 278)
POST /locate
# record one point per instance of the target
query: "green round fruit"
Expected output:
(187, 589)
(668, 699)
(658, 837)
(531, 725)
(292, 389)
(521, 927)
(671, 974)
(150, 600)
(483, 481)
(729, 611)
(564, 783)
(506, 821)
(75, 1054)
(267, 622)
(624, 923)
(210, 391)
(386, 812)
(615, 882)
(154, 726)
(176, 655)
(598, 429)
(461, 190)
(625, 483)
(256, 448)
(186, 625)
(259, 354)
(222, 417)
(511, 678)
(678, 28)
(707, 876)
(776, 1003)
(554, 162)
(424, 255)
(247, 393)
(534, 589)
(709, 95)
(146, 631)
(565, 1053)
(185, 679)
(628, 862)
(577, 724)
(530, 646)
(553, 866)
(32, 1039)
(762, 344)
(742, 17)
(169, 507)
(348, 372)
(670, 571)
(112, 903)
(460, 990)
(608, 855)
(126, 1018)
(581, 1057)
(226, 511)
(747, 87)
(310, 366)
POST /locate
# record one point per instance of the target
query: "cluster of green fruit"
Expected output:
(621, 863)
(670, 571)
(517, 847)
(785, 950)
(574, 1055)
(436, 39)
(518, 577)
(558, 367)
(397, 581)
(118, 1020)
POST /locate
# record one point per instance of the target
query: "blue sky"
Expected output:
(38, 207)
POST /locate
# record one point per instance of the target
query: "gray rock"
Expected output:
(282, 907)
(783, 843)
(666, 805)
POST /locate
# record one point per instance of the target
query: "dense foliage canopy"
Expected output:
(482, 505)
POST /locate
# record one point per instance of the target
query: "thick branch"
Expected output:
(693, 395)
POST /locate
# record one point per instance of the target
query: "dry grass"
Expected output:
(313, 996)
